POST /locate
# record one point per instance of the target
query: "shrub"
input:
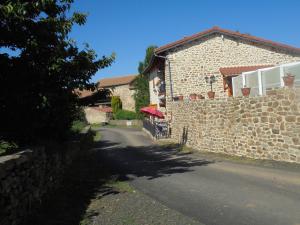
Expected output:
(125, 115)
(78, 126)
(7, 147)
(116, 104)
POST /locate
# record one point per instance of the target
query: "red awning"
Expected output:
(153, 112)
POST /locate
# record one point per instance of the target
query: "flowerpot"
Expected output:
(211, 94)
(180, 97)
(200, 97)
(246, 91)
(193, 96)
(288, 80)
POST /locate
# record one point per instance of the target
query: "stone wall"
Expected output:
(28, 176)
(153, 78)
(128, 123)
(191, 62)
(266, 127)
(126, 95)
(94, 116)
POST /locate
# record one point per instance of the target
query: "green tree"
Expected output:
(41, 66)
(116, 104)
(141, 83)
(149, 53)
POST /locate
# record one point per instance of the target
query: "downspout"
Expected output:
(170, 77)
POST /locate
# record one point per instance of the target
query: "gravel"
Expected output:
(133, 208)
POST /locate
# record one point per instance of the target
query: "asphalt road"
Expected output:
(212, 192)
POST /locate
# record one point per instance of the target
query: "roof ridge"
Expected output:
(217, 29)
(247, 65)
(115, 81)
(133, 75)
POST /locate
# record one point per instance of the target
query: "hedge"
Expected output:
(125, 115)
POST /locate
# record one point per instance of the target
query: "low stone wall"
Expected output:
(94, 116)
(28, 176)
(266, 127)
(128, 123)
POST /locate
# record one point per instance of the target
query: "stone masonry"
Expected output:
(94, 116)
(191, 62)
(28, 176)
(266, 127)
(126, 95)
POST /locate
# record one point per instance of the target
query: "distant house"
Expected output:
(98, 102)
(122, 87)
(180, 67)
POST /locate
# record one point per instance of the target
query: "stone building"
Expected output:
(181, 66)
(121, 86)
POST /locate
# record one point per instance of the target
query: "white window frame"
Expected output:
(260, 85)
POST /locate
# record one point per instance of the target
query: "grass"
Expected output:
(180, 148)
(186, 149)
(219, 156)
(96, 126)
(78, 126)
(120, 186)
(97, 136)
(249, 161)
(128, 220)
(125, 115)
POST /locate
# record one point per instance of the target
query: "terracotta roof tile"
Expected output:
(229, 33)
(103, 109)
(236, 70)
(84, 93)
(115, 81)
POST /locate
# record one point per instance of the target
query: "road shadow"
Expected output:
(84, 181)
(146, 161)
(88, 176)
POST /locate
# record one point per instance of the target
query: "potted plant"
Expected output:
(210, 80)
(246, 91)
(288, 80)
(193, 96)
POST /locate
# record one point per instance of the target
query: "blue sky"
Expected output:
(127, 27)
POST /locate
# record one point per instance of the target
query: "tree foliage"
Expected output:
(141, 83)
(116, 104)
(149, 53)
(40, 68)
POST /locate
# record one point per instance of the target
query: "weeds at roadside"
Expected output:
(120, 186)
(217, 156)
(97, 136)
(78, 126)
(178, 147)
(7, 147)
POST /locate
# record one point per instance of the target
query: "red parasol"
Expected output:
(153, 112)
